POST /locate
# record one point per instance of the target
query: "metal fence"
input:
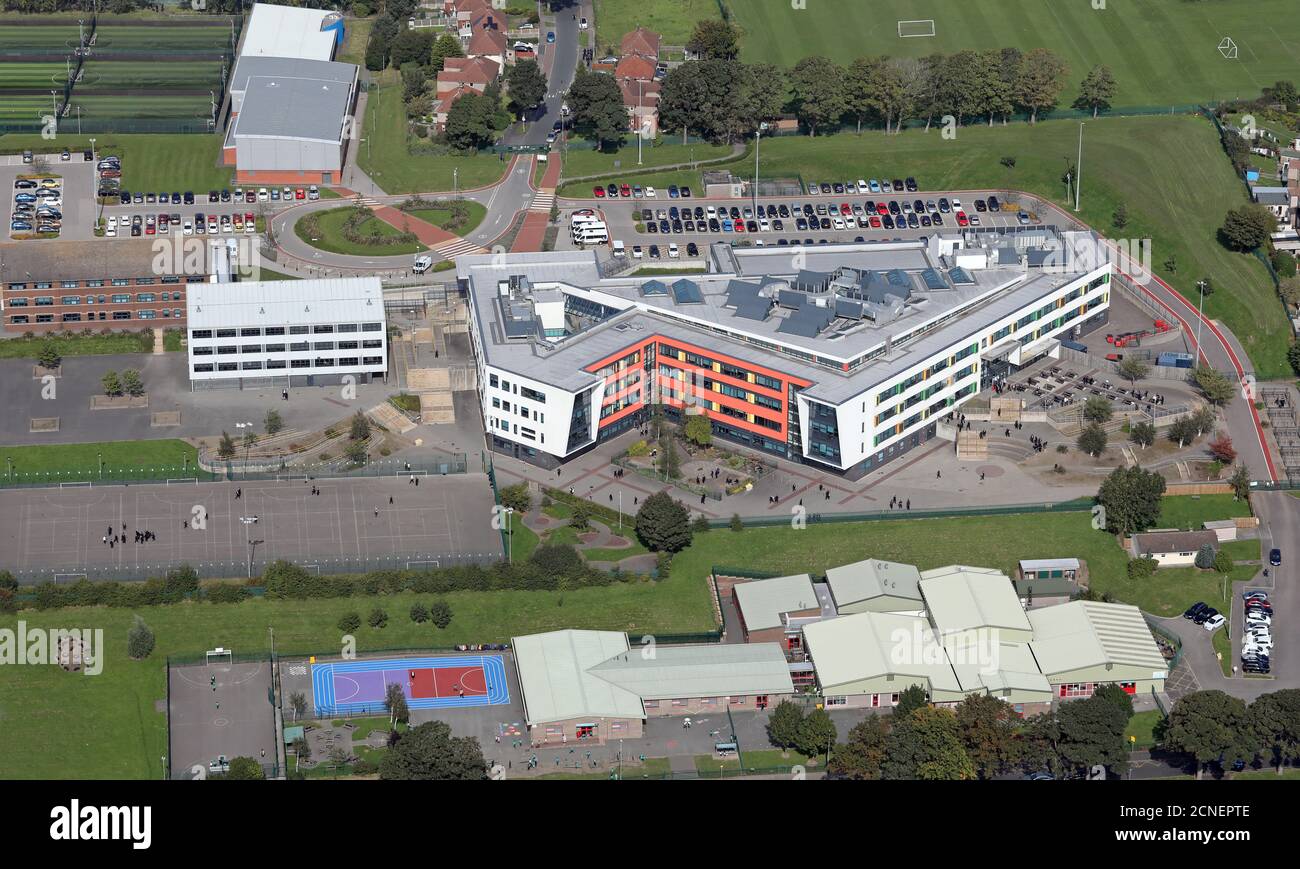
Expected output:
(1080, 505)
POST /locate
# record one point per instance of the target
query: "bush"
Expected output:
(1140, 568)
(140, 640)
(1205, 557)
(378, 618)
(349, 623)
(440, 614)
(419, 613)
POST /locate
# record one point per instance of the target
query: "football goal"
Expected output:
(220, 656)
(917, 27)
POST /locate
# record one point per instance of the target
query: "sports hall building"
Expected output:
(840, 356)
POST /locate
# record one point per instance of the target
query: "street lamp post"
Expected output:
(1200, 318)
(757, 135)
(510, 535)
(639, 129)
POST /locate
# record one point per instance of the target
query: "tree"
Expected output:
(862, 755)
(910, 699)
(1096, 90)
(413, 80)
(760, 97)
(419, 613)
(1210, 727)
(429, 752)
(1204, 557)
(1092, 440)
(139, 640)
(1289, 289)
(1204, 418)
(704, 97)
(598, 110)
(557, 559)
(349, 622)
(1274, 720)
(1042, 75)
(580, 517)
(447, 45)
(737, 524)
(111, 383)
(440, 614)
(298, 703)
(273, 422)
(517, 498)
(1216, 386)
(1182, 431)
(1222, 449)
(1131, 499)
(784, 724)
(698, 429)
(411, 46)
(470, 122)
(378, 618)
(988, 732)
(395, 701)
(1143, 434)
(360, 427)
(1223, 562)
(714, 38)
(669, 463)
(818, 86)
(1247, 227)
(1119, 220)
(355, 452)
(1240, 482)
(1133, 369)
(527, 85)
(865, 90)
(131, 383)
(926, 745)
(1118, 696)
(701, 524)
(49, 357)
(1098, 409)
(1092, 733)
(245, 769)
(226, 447)
(663, 524)
(817, 733)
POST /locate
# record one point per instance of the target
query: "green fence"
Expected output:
(1079, 505)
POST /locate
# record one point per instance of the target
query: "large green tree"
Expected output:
(526, 85)
(430, 753)
(471, 122)
(1210, 727)
(783, 725)
(1042, 76)
(861, 756)
(988, 731)
(1247, 227)
(701, 97)
(818, 86)
(926, 745)
(1275, 724)
(663, 524)
(1131, 498)
(1096, 91)
(715, 39)
(598, 110)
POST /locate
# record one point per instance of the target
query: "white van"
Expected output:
(422, 264)
(590, 233)
(619, 249)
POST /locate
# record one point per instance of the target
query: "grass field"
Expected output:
(357, 34)
(83, 459)
(75, 345)
(1162, 52)
(36, 74)
(385, 159)
(146, 74)
(37, 38)
(331, 226)
(1189, 512)
(1142, 726)
(98, 106)
(671, 19)
(588, 161)
(1170, 173)
(149, 162)
(442, 216)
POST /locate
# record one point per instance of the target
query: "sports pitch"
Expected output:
(1162, 52)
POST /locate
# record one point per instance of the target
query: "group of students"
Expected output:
(112, 537)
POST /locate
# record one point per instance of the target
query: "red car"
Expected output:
(962, 219)
(846, 209)
(598, 192)
(875, 222)
(300, 194)
(882, 208)
(739, 226)
(625, 191)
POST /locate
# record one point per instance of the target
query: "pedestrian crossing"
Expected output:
(458, 247)
(369, 203)
(542, 202)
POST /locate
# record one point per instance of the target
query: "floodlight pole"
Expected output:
(1078, 168)
(1200, 318)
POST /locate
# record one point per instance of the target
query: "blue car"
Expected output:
(726, 225)
(28, 197)
(673, 192)
(874, 185)
(550, 36)
(20, 226)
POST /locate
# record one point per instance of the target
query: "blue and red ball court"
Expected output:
(352, 687)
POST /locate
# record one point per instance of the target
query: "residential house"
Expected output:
(1278, 200)
(487, 38)
(1172, 548)
(459, 76)
(635, 73)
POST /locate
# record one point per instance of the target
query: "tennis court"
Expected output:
(351, 687)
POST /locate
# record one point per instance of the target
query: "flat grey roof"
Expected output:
(764, 602)
(286, 303)
(290, 67)
(294, 108)
(930, 321)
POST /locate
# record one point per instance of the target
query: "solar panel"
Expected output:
(790, 299)
(899, 278)
(848, 308)
(687, 292)
(933, 280)
(756, 308)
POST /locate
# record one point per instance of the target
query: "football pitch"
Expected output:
(1162, 52)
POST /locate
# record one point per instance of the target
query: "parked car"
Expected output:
(1214, 622)
(1195, 609)
(1275, 557)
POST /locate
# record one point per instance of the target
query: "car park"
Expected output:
(598, 192)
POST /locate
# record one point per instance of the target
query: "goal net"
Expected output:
(220, 656)
(916, 27)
